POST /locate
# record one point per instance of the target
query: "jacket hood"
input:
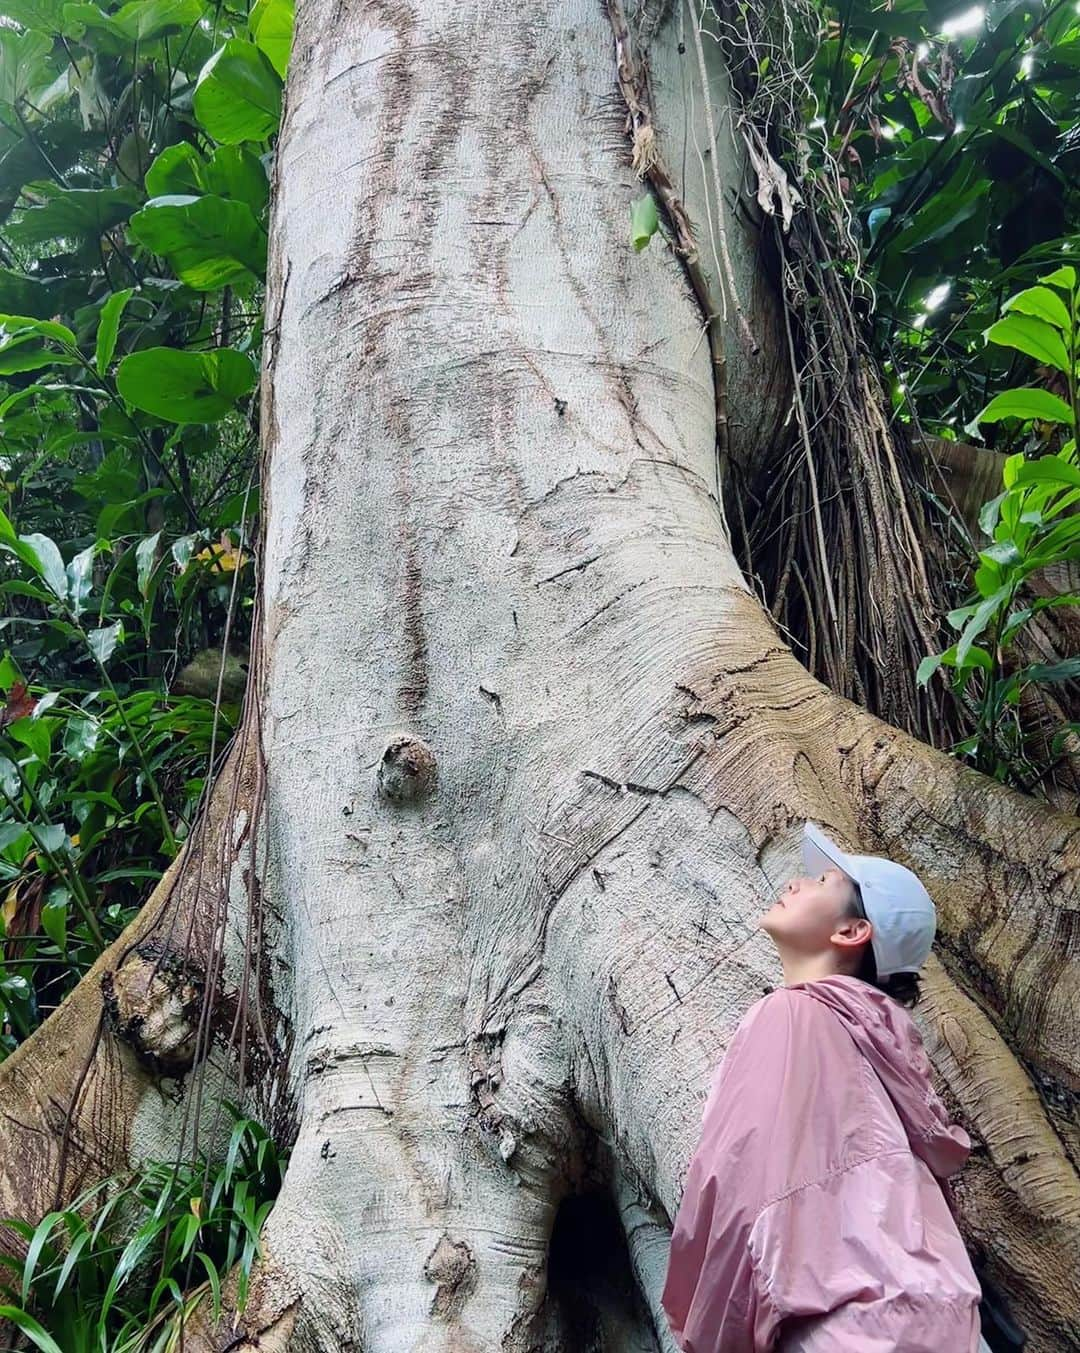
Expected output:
(886, 1035)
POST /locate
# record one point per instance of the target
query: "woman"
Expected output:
(815, 1216)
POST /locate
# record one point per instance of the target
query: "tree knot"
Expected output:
(152, 1003)
(407, 770)
(452, 1268)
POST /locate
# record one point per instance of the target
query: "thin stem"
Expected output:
(31, 136)
(75, 883)
(151, 780)
(1074, 358)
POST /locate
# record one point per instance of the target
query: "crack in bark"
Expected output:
(579, 567)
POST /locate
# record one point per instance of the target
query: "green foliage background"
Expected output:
(135, 147)
(956, 129)
(952, 133)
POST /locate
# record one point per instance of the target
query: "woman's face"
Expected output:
(810, 912)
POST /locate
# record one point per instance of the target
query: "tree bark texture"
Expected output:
(535, 758)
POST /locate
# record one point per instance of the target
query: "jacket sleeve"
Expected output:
(870, 1258)
(711, 1297)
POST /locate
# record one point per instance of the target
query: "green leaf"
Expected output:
(25, 326)
(72, 213)
(238, 173)
(927, 668)
(989, 514)
(80, 736)
(189, 1233)
(1024, 142)
(1043, 304)
(1032, 336)
(49, 836)
(214, 1279)
(132, 1252)
(80, 577)
(22, 294)
(166, 1286)
(31, 357)
(941, 217)
(270, 24)
(1003, 552)
(145, 556)
(185, 387)
(103, 641)
(208, 241)
(979, 621)
(238, 94)
(644, 221)
(987, 578)
(997, 11)
(10, 832)
(109, 327)
(1015, 622)
(1047, 469)
(22, 62)
(236, 1141)
(1061, 277)
(876, 219)
(1026, 404)
(76, 1248)
(54, 916)
(1052, 674)
(237, 508)
(1058, 545)
(35, 1332)
(142, 20)
(975, 657)
(80, 18)
(1009, 470)
(177, 171)
(182, 549)
(45, 558)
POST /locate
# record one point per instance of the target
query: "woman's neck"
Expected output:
(809, 967)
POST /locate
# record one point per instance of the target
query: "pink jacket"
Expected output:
(813, 1217)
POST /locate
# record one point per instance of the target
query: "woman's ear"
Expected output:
(852, 933)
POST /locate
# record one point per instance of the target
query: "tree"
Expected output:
(470, 915)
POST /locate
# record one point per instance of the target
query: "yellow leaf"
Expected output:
(196, 1207)
(224, 560)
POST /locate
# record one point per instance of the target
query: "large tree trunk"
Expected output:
(532, 757)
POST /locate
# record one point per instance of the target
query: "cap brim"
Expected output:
(820, 853)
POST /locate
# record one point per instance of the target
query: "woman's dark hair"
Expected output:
(901, 986)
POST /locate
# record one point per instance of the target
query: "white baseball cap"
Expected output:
(895, 902)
